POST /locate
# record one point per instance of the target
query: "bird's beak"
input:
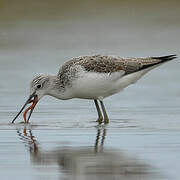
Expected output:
(32, 99)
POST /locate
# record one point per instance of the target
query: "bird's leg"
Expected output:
(106, 119)
(100, 117)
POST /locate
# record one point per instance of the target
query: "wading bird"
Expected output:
(91, 77)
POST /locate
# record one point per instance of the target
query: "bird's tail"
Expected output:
(165, 58)
(155, 61)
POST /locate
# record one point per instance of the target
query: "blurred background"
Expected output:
(38, 36)
(82, 27)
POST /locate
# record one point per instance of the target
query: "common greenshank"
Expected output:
(91, 77)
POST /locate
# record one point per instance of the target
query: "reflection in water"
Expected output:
(98, 136)
(88, 162)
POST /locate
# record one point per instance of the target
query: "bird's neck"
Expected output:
(57, 89)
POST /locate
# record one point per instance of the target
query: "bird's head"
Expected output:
(39, 86)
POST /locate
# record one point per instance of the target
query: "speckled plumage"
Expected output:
(38, 79)
(106, 64)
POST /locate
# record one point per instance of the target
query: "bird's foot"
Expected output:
(100, 120)
(106, 120)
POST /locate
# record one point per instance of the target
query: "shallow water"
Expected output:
(63, 140)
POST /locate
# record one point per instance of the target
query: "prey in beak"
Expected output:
(39, 86)
(32, 99)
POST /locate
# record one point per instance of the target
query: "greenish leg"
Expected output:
(106, 119)
(100, 117)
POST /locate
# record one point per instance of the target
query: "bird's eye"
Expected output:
(38, 86)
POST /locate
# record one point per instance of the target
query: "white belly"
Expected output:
(91, 85)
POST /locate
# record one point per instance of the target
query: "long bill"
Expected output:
(32, 99)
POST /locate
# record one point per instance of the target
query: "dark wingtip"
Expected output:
(162, 59)
(166, 58)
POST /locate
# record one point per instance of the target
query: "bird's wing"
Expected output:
(132, 65)
(112, 64)
(96, 63)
